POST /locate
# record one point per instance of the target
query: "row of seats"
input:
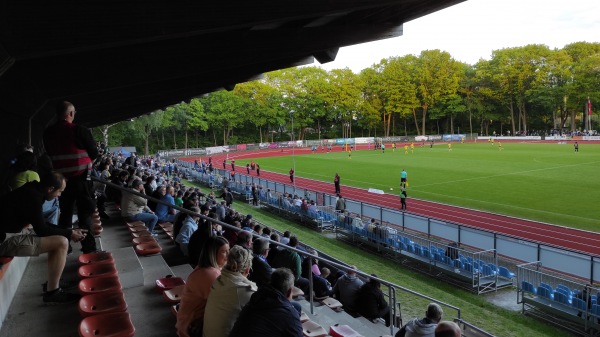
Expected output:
(562, 294)
(102, 304)
(143, 241)
(435, 254)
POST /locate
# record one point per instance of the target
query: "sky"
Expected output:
(471, 30)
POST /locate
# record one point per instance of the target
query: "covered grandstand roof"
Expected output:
(120, 59)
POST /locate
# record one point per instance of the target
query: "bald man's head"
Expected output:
(447, 329)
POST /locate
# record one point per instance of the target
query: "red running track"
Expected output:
(558, 236)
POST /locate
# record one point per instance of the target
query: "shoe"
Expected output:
(103, 215)
(62, 284)
(58, 296)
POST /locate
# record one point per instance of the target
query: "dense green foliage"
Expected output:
(519, 90)
(544, 182)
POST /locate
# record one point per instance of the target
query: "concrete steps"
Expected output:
(327, 317)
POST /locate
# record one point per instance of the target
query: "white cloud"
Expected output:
(473, 29)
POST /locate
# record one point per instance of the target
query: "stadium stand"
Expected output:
(154, 267)
(570, 304)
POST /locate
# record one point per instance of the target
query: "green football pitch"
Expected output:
(541, 181)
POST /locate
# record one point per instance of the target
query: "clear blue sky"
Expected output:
(473, 29)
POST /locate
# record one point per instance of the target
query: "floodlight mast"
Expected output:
(293, 149)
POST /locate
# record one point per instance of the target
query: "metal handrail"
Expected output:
(392, 287)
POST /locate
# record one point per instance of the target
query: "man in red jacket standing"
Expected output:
(72, 149)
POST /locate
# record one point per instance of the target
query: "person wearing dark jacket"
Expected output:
(346, 289)
(270, 312)
(292, 260)
(370, 302)
(72, 149)
(227, 196)
(23, 207)
(423, 327)
(261, 270)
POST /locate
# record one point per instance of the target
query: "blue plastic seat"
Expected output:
(419, 250)
(504, 272)
(565, 290)
(528, 287)
(545, 293)
(579, 304)
(544, 285)
(459, 264)
(561, 298)
(426, 253)
(486, 270)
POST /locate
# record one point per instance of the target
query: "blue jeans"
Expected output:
(148, 219)
(168, 218)
(50, 209)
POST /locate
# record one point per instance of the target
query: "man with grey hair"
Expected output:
(270, 312)
(423, 327)
(72, 149)
(261, 270)
(447, 329)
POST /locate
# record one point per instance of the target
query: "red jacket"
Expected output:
(67, 158)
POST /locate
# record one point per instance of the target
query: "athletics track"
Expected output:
(557, 236)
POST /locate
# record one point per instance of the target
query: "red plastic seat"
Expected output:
(143, 239)
(342, 331)
(141, 234)
(173, 295)
(167, 283)
(166, 226)
(297, 292)
(135, 223)
(107, 325)
(5, 260)
(313, 329)
(138, 229)
(4, 263)
(332, 303)
(148, 248)
(96, 258)
(97, 270)
(94, 285)
(102, 303)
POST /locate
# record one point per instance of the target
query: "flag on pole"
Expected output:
(589, 107)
